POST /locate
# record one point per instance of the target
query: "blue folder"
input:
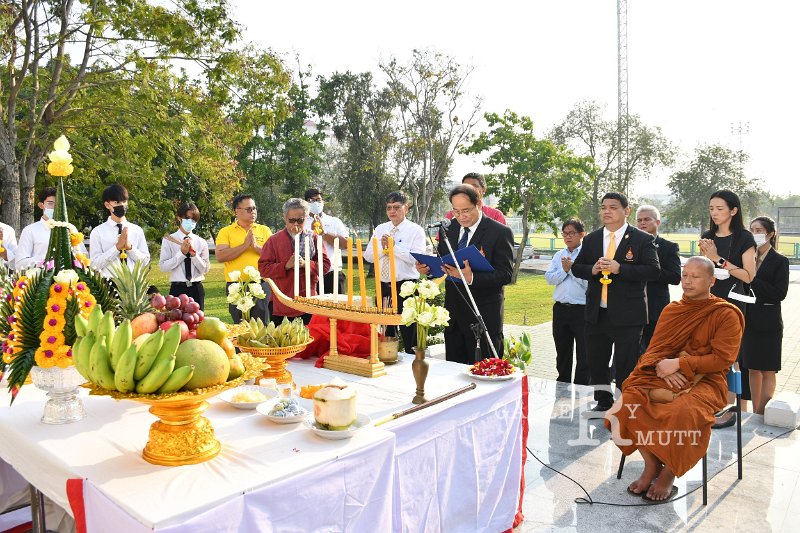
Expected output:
(477, 262)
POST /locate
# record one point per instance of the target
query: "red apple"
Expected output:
(193, 334)
(182, 325)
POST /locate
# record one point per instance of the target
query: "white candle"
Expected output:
(337, 257)
(307, 259)
(320, 269)
(296, 265)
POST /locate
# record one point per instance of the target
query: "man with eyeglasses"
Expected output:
(496, 242)
(34, 239)
(648, 219)
(479, 182)
(238, 246)
(330, 227)
(570, 303)
(408, 237)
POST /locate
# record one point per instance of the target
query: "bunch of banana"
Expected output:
(289, 333)
(107, 356)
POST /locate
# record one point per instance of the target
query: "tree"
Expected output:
(62, 55)
(435, 119)
(362, 119)
(585, 131)
(713, 168)
(542, 180)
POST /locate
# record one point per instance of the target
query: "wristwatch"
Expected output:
(721, 263)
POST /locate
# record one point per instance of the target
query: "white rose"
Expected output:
(234, 275)
(256, 290)
(407, 289)
(233, 288)
(66, 277)
(409, 315)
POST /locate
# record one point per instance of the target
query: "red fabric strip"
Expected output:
(75, 496)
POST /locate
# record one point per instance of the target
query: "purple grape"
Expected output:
(200, 316)
(184, 299)
(188, 318)
(175, 314)
(174, 303)
(192, 307)
(161, 318)
(158, 301)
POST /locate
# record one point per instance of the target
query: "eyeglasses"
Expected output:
(394, 207)
(568, 234)
(248, 209)
(459, 212)
(295, 220)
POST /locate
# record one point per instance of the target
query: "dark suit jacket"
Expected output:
(627, 301)
(497, 243)
(770, 287)
(658, 291)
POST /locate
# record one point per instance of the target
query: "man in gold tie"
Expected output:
(617, 260)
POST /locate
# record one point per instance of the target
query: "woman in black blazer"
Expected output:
(763, 331)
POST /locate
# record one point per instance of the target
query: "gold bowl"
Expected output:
(276, 357)
(181, 435)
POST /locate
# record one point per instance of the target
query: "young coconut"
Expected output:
(335, 405)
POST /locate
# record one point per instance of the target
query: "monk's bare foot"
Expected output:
(651, 472)
(662, 488)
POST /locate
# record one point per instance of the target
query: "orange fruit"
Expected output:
(227, 345)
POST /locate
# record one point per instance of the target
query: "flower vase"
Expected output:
(61, 385)
(420, 369)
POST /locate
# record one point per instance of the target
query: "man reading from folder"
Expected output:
(496, 242)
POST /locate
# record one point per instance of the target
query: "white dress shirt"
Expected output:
(331, 226)
(172, 260)
(32, 247)
(10, 244)
(617, 242)
(472, 229)
(103, 245)
(569, 289)
(408, 237)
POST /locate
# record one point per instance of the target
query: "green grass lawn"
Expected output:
(529, 301)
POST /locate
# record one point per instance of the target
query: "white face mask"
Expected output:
(315, 207)
(745, 298)
(761, 239)
(48, 212)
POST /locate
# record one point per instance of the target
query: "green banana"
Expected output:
(157, 376)
(123, 375)
(94, 318)
(172, 338)
(81, 325)
(100, 365)
(80, 355)
(176, 380)
(123, 338)
(147, 354)
(106, 328)
(75, 360)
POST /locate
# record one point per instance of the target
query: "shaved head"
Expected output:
(697, 278)
(703, 261)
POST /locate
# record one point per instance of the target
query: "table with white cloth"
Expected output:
(454, 466)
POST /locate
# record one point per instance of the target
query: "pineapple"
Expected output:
(132, 288)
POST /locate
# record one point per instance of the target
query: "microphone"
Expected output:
(444, 224)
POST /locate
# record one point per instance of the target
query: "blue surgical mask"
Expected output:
(48, 212)
(315, 207)
(188, 225)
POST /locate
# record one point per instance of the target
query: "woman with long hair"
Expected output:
(763, 331)
(731, 247)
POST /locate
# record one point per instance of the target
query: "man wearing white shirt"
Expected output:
(331, 227)
(185, 256)
(8, 245)
(34, 239)
(116, 238)
(408, 237)
(569, 327)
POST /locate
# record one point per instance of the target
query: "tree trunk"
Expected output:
(521, 249)
(9, 191)
(596, 204)
(26, 204)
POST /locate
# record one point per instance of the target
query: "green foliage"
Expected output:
(518, 352)
(713, 168)
(542, 180)
(100, 289)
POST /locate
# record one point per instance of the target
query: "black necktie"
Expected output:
(187, 264)
(462, 243)
(119, 232)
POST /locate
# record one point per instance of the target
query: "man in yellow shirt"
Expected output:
(239, 245)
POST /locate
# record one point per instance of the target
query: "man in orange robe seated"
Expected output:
(668, 403)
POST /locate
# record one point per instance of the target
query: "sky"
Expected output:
(697, 69)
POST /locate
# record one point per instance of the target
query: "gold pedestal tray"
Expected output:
(276, 359)
(370, 367)
(182, 435)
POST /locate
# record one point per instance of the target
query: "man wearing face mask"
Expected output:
(185, 256)
(116, 239)
(35, 237)
(330, 227)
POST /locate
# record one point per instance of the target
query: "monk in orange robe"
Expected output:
(668, 402)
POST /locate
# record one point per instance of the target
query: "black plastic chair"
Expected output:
(734, 386)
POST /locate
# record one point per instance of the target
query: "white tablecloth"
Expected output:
(451, 467)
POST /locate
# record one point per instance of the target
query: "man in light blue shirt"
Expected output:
(568, 310)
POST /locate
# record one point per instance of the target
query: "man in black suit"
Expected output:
(626, 258)
(496, 242)
(648, 219)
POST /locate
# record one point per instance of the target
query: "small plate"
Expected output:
(266, 407)
(362, 421)
(489, 378)
(227, 396)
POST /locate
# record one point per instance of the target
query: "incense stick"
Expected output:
(426, 404)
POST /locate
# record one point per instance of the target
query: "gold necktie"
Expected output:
(610, 251)
(385, 263)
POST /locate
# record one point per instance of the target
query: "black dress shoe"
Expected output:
(728, 423)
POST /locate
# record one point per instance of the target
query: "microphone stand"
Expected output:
(474, 307)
